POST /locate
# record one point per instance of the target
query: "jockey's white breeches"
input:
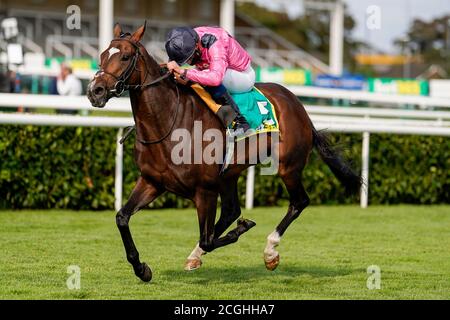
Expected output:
(239, 81)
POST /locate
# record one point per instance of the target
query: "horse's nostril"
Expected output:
(99, 91)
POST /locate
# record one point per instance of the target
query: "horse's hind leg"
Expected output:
(142, 194)
(299, 200)
(230, 211)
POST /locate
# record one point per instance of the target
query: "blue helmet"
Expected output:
(180, 44)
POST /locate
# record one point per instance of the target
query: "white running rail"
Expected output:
(334, 119)
(381, 98)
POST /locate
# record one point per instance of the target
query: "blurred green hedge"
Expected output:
(52, 167)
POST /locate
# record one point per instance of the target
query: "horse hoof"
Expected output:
(146, 274)
(192, 264)
(246, 223)
(272, 264)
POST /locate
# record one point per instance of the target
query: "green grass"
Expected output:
(324, 255)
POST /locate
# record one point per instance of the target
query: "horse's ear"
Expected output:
(117, 30)
(139, 33)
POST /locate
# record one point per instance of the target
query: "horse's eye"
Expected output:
(125, 58)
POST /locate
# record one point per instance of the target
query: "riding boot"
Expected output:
(231, 111)
(226, 114)
(240, 125)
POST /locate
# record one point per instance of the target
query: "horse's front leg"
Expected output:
(206, 203)
(142, 194)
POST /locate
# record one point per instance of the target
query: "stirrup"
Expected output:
(241, 134)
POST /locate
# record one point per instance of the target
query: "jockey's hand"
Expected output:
(181, 78)
(174, 67)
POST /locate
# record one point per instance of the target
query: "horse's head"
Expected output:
(117, 67)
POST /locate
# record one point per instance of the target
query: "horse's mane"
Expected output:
(183, 90)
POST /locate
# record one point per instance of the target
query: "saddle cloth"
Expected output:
(253, 105)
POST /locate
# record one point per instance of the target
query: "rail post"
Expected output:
(250, 188)
(365, 170)
(119, 172)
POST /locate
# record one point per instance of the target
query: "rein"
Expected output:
(120, 87)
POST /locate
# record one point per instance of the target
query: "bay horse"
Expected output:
(160, 105)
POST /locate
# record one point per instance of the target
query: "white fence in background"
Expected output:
(381, 98)
(334, 119)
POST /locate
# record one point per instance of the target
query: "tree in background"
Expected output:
(429, 39)
(311, 32)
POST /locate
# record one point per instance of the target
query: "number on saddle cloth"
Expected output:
(257, 109)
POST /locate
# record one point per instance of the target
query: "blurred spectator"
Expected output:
(10, 83)
(5, 85)
(68, 85)
(7, 81)
(52, 86)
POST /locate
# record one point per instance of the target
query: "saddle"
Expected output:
(253, 105)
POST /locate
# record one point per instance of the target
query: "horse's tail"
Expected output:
(340, 168)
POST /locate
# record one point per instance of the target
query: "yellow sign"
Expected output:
(292, 76)
(384, 59)
(408, 87)
(80, 64)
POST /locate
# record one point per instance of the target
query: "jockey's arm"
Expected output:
(213, 76)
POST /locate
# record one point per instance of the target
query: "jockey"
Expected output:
(221, 65)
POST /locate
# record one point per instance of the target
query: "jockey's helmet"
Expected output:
(180, 44)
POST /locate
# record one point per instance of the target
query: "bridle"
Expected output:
(121, 86)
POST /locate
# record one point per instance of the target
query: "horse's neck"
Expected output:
(153, 107)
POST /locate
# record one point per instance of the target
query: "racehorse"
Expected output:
(160, 105)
